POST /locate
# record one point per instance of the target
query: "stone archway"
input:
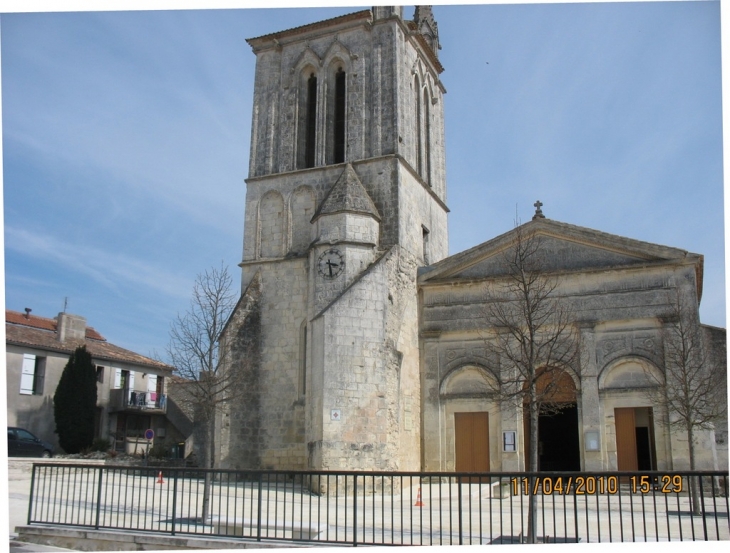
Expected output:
(558, 436)
(467, 395)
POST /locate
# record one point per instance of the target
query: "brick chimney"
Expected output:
(71, 327)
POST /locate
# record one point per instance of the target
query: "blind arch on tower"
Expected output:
(272, 225)
(301, 209)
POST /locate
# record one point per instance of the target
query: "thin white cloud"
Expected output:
(108, 269)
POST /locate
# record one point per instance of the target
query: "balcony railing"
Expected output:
(127, 400)
(386, 508)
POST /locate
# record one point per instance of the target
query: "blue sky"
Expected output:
(126, 140)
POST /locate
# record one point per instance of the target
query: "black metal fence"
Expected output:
(385, 508)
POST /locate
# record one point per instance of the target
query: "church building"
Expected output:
(359, 340)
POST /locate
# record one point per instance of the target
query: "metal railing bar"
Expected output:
(120, 497)
(702, 507)
(643, 517)
(32, 493)
(656, 520)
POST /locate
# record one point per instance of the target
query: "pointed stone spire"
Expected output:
(427, 26)
(347, 195)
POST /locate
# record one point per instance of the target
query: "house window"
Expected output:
(100, 374)
(123, 379)
(33, 375)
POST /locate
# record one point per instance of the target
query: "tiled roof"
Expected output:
(44, 323)
(40, 334)
(313, 26)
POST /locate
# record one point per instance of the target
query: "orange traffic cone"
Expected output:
(419, 503)
(159, 478)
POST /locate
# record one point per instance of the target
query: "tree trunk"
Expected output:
(209, 464)
(695, 483)
(533, 466)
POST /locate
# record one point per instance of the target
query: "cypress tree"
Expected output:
(74, 403)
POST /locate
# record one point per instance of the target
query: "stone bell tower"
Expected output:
(345, 199)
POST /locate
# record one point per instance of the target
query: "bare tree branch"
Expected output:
(196, 353)
(534, 338)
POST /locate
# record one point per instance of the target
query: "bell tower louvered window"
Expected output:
(426, 170)
(310, 122)
(339, 117)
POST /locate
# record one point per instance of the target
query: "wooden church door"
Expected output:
(471, 442)
(626, 438)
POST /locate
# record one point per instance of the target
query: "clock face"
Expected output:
(330, 263)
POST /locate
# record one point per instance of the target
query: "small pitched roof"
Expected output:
(569, 248)
(41, 333)
(34, 321)
(347, 195)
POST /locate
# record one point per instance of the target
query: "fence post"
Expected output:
(354, 512)
(98, 498)
(258, 519)
(32, 490)
(575, 515)
(174, 499)
(702, 506)
(458, 487)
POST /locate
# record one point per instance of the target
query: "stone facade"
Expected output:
(354, 357)
(332, 241)
(622, 295)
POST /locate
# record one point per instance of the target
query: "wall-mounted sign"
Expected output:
(592, 440)
(149, 434)
(509, 441)
(336, 414)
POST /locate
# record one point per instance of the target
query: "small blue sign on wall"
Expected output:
(149, 434)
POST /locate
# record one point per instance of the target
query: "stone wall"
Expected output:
(265, 428)
(368, 373)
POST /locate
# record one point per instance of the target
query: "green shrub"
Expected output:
(101, 444)
(74, 403)
(160, 451)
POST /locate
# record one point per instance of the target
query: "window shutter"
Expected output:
(131, 380)
(151, 382)
(27, 374)
(117, 378)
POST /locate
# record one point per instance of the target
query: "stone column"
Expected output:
(432, 431)
(591, 415)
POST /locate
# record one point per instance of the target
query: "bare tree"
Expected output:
(534, 339)
(694, 384)
(195, 352)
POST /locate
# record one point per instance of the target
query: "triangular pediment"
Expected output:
(563, 248)
(347, 195)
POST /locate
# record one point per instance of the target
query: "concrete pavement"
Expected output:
(19, 471)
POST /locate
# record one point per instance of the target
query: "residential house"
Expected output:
(131, 389)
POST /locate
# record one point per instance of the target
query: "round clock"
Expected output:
(330, 263)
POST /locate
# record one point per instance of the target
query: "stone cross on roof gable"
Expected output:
(538, 212)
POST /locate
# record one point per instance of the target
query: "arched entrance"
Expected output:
(558, 441)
